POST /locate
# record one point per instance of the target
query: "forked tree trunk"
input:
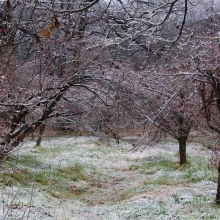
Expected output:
(182, 150)
(41, 132)
(218, 186)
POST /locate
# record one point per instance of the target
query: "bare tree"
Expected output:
(52, 56)
(31, 85)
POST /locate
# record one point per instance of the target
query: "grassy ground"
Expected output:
(83, 178)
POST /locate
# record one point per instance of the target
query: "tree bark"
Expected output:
(182, 150)
(12, 140)
(41, 132)
(218, 186)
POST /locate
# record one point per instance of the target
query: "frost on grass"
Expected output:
(84, 178)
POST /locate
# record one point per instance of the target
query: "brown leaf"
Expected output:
(45, 33)
(56, 23)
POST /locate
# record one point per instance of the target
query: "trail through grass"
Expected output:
(83, 178)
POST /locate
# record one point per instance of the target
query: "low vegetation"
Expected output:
(83, 178)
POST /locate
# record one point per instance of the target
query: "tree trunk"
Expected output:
(218, 187)
(41, 132)
(182, 150)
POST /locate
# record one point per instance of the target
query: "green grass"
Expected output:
(142, 209)
(170, 141)
(30, 160)
(152, 165)
(165, 170)
(195, 173)
(55, 180)
(164, 165)
(165, 179)
(73, 173)
(108, 178)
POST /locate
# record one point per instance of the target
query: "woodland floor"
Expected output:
(83, 178)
